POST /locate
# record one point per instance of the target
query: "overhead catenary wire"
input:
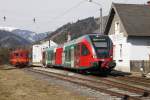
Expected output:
(59, 16)
(68, 10)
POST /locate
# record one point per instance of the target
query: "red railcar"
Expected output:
(19, 57)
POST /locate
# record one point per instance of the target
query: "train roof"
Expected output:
(75, 41)
(84, 36)
(19, 50)
(51, 47)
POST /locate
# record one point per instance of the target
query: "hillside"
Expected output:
(9, 40)
(79, 28)
(26, 34)
(29, 35)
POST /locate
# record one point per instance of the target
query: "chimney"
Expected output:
(69, 36)
(148, 3)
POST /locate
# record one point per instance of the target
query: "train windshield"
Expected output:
(101, 45)
(99, 41)
(16, 54)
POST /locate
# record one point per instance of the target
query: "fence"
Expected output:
(136, 65)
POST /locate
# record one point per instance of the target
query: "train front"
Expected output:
(102, 53)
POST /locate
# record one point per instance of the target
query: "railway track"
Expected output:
(140, 81)
(123, 86)
(123, 91)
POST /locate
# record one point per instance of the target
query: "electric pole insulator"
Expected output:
(4, 18)
(34, 20)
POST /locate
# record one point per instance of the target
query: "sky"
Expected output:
(51, 14)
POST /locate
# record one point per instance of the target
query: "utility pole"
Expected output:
(69, 37)
(101, 15)
(101, 21)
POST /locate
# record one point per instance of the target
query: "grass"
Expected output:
(18, 85)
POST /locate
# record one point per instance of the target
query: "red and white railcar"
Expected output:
(88, 53)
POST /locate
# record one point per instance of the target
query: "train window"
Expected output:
(48, 55)
(16, 54)
(68, 54)
(21, 55)
(84, 50)
(100, 44)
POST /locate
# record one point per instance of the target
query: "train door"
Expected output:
(54, 56)
(53, 59)
(77, 55)
(85, 56)
(44, 58)
(50, 60)
(63, 57)
(30, 57)
(68, 56)
(72, 56)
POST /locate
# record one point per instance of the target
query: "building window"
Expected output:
(148, 43)
(117, 27)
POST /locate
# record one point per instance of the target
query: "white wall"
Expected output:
(140, 49)
(121, 52)
(36, 54)
(47, 44)
(133, 48)
(122, 57)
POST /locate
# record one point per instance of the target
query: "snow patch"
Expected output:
(10, 29)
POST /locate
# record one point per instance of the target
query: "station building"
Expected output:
(128, 25)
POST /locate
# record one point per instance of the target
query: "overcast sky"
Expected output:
(51, 14)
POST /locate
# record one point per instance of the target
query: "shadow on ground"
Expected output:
(9, 67)
(113, 73)
(119, 73)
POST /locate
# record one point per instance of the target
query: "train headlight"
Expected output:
(102, 59)
(94, 56)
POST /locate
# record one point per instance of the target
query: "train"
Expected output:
(88, 53)
(19, 57)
